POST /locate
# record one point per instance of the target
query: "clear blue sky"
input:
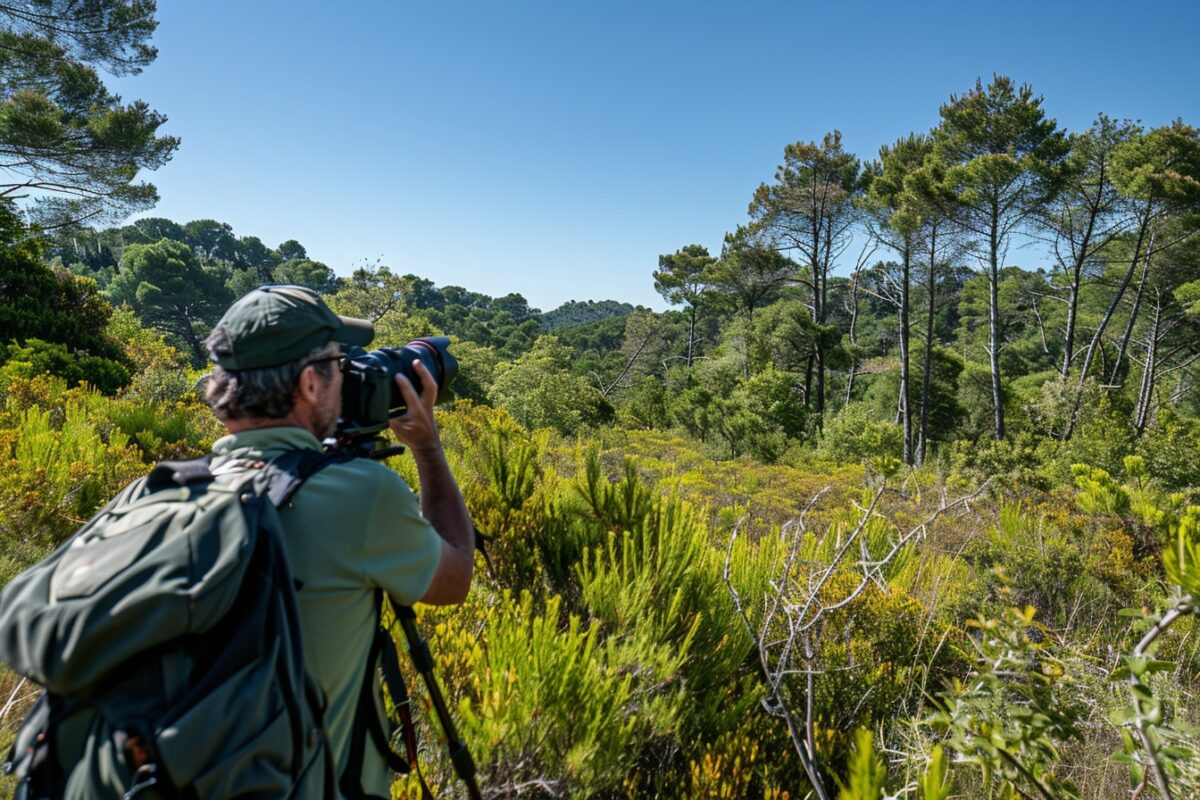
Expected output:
(557, 148)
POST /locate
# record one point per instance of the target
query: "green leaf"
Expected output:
(1141, 691)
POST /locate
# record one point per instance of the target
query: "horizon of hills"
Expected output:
(96, 253)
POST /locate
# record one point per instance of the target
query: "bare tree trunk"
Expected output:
(1133, 313)
(1069, 335)
(1037, 314)
(853, 336)
(1146, 390)
(927, 367)
(606, 391)
(905, 411)
(1081, 256)
(1113, 305)
(691, 336)
(808, 377)
(821, 301)
(994, 326)
(820, 388)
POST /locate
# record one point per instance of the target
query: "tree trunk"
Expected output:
(188, 329)
(927, 367)
(691, 336)
(1069, 335)
(1113, 305)
(1133, 313)
(808, 377)
(1037, 314)
(853, 336)
(994, 325)
(820, 406)
(820, 300)
(905, 411)
(1146, 390)
(1081, 256)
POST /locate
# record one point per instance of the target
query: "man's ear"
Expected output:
(306, 385)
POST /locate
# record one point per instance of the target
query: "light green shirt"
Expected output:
(351, 528)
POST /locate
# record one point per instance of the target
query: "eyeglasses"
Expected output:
(343, 361)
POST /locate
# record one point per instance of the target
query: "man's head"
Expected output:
(273, 325)
(272, 354)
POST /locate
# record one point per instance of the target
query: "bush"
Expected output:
(540, 392)
(1012, 465)
(1045, 560)
(543, 704)
(175, 430)
(59, 460)
(1170, 449)
(38, 357)
(162, 373)
(852, 436)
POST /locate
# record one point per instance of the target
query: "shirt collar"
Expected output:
(259, 441)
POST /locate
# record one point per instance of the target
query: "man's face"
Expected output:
(329, 403)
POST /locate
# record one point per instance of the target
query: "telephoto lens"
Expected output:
(434, 353)
(370, 395)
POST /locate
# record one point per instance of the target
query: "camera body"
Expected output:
(370, 396)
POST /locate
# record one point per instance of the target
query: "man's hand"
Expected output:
(441, 501)
(416, 428)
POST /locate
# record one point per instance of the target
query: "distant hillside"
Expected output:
(575, 313)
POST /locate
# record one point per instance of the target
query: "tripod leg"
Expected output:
(422, 659)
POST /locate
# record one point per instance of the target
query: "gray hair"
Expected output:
(269, 392)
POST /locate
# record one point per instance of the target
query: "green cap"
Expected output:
(273, 325)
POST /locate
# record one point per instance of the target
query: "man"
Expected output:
(356, 526)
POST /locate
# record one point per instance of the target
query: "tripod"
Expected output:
(418, 650)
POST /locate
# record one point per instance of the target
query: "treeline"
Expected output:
(874, 295)
(934, 306)
(179, 278)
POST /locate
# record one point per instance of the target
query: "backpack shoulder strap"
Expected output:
(285, 474)
(168, 474)
(367, 724)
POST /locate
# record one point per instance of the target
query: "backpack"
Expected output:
(167, 636)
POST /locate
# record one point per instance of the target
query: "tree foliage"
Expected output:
(66, 142)
(166, 286)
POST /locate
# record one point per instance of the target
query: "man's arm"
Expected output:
(441, 501)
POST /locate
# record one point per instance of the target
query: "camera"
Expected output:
(370, 396)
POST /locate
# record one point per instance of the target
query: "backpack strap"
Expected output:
(382, 655)
(285, 474)
(167, 474)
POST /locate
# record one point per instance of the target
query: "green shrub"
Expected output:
(59, 460)
(1170, 451)
(162, 372)
(1011, 465)
(853, 436)
(37, 357)
(540, 392)
(546, 706)
(175, 430)
(1033, 562)
(1014, 712)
